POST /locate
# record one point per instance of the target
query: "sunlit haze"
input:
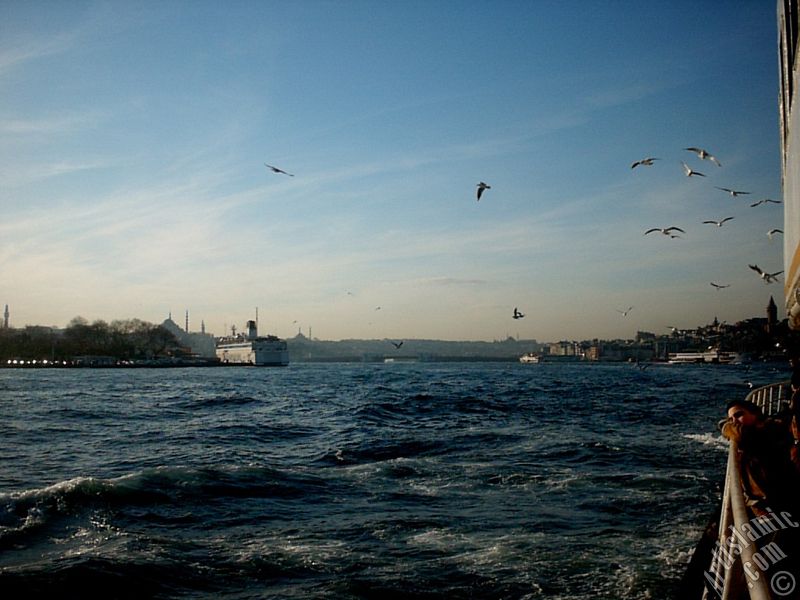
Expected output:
(134, 139)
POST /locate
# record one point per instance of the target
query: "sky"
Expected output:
(134, 138)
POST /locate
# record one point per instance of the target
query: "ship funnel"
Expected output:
(252, 330)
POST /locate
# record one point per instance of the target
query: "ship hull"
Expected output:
(259, 353)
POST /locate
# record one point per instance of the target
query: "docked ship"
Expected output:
(252, 349)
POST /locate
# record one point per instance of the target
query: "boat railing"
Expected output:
(772, 398)
(730, 561)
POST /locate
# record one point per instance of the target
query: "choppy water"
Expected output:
(359, 481)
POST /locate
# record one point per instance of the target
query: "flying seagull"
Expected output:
(719, 286)
(482, 186)
(517, 314)
(766, 201)
(624, 313)
(703, 154)
(397, 344)
(733, 193)
(647, 162)
(719, 223)
(665, 230)
(767, 277)
(772, 232)
(689, 172)
(277, 170)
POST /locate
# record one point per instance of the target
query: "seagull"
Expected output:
(689, 172)
(772, 232)
(767, 277)
(703, 154)
(482, 186)
(665, 231)
(767, 201)
(733, 193)
(397, 344)
(720, 286)
(647, 162)
(719, 223)
(517, 314)
(624, 313)
(277, 170)
(377, 308)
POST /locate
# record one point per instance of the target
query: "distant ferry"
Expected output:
(250, 349)
(533, 358)
(710, 356)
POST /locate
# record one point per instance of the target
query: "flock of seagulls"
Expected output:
(673, 231)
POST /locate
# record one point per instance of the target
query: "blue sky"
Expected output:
(133, 138)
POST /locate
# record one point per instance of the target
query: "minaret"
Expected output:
(5, 318)
(187, 321)
(202, 326)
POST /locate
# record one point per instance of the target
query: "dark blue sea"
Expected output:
(345, 481)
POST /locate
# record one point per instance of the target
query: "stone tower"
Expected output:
(772, 315)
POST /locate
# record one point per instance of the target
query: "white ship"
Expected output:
(710, 356)
(530, 358)
(250, 349)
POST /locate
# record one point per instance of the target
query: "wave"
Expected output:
(715, 440)
(185, 489)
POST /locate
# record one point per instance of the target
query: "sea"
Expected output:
(350, 481)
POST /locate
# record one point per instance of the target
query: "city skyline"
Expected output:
(186, 325)
(140, 146)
